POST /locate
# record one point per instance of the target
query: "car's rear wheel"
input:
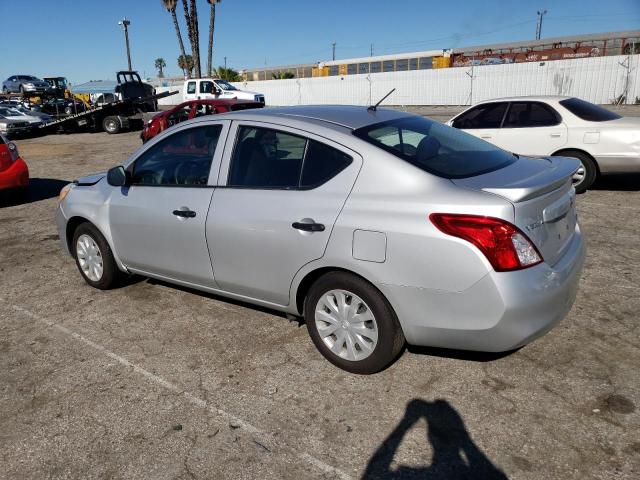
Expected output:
(352, 324)
(586, 173)
(94, 258)
(111, 125)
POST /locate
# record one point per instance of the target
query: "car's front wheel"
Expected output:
(352, 323)
(94, 258)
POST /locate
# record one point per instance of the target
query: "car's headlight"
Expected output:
(65, 191)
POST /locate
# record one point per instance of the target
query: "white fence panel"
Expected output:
(598, 80)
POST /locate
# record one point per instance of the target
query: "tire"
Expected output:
(367, 355)
(111, 125)
(4, 90)
(111, 274)
(588, 172)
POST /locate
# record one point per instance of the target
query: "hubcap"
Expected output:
(89, 257)
(578, 177)
(346, 325)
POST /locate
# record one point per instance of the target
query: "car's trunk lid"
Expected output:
(543, 197)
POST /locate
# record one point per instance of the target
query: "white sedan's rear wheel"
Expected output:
(586, 173)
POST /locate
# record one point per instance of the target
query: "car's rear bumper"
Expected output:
(502, 311)
(16, 176)
(619, 163)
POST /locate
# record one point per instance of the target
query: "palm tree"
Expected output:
(191, 17)
(170, 5)
(212, 26)
(282, 75)
(160, 64)
(185, 62)
(228, 74)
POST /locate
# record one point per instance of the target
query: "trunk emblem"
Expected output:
(532, 226)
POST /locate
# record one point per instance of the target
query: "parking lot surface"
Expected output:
(153, 381)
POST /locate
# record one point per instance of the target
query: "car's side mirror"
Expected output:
(117, 177)
(217, 91)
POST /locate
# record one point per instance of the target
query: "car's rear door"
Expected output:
(283, 190)
(158, 222)
(532, 128)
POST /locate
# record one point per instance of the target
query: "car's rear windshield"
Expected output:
(588, 111)
(436, 148)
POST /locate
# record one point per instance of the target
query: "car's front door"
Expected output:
(482, 121)
(284, 190)
(532, 128)
(158, 222)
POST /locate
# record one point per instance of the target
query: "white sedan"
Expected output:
(602, 140)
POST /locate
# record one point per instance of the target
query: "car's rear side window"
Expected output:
(435, 148)
(264, 158)
(588, 111)
(530, 114)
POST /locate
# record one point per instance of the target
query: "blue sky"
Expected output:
(81, 39)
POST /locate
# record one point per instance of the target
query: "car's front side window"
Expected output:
(206, 87)
(271, 159)
(181, 159)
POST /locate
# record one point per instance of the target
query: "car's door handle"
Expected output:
(556, 135)
(184, 213)
(485, 136)
(308, 227)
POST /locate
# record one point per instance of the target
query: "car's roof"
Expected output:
(539, 98)
(348, 116)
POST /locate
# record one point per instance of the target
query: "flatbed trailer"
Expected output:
(110, 117)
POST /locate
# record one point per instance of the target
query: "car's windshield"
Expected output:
(588, 111)
(27, 77)
(436, 148)
(224, 85)
(9, 112)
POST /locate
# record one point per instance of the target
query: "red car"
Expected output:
(14, 173)
(192, 109)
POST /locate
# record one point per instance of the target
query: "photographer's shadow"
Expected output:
(455, 456)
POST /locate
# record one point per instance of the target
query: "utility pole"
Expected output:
(371, 55)
(541, 13)
(333, 47)
(225, 63)
(125, 24)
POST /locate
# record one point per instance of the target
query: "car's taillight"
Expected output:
(13, 151)
(504, 245)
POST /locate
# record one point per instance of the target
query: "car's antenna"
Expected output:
(373, 108)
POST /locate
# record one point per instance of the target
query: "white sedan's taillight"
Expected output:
(504, 245)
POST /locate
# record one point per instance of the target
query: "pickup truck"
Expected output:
(214, 89)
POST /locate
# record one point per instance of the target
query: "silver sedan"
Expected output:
(379, 227)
